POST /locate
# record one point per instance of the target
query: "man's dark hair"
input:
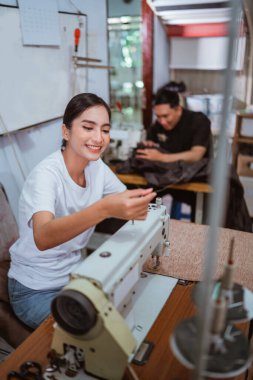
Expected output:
(165, 96)
(78, 104)
(175, 86)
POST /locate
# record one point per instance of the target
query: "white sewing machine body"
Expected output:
(108, 279)
(116, 265)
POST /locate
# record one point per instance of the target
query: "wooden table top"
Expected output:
(162, 363)
(138, 180)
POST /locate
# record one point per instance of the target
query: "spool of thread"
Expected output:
(158, 202)
(219, 316)
(227, 278)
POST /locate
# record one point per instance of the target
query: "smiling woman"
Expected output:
(63, 198)
(76, 108)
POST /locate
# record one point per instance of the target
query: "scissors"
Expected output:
(28, 371)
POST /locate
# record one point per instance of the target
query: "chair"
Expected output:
(239, 137)
(176, 211)
(12, 330)
(242, 157)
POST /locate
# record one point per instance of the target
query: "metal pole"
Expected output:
(216, 207)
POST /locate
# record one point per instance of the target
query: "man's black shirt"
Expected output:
(192, 129)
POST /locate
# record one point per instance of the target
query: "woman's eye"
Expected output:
(87, 128)
(107, 131)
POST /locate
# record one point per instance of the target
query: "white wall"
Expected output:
(20, 152)
(161, 55)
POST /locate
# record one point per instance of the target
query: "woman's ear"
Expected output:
(65, 132)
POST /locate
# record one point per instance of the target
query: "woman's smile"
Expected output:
(95, 148)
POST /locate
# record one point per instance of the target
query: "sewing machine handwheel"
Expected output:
(74, 312)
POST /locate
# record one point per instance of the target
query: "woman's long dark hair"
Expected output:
(77, 105)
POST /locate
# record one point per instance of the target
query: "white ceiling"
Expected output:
(176, 12)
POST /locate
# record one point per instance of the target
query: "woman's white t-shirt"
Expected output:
(49, 187)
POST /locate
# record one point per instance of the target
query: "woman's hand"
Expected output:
(130, 204)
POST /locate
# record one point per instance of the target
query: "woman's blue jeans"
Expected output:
(30, 306)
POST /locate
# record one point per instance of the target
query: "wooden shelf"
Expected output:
(238, 137)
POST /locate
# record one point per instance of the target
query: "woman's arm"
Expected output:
(50, 231)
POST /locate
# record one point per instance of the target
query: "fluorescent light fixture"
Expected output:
(125, 19)
(176, 12)
(182, 9)
(195, 21)
(196, 13)
(159, 3)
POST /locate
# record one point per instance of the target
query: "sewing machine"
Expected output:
(124, 139)
(95, 312)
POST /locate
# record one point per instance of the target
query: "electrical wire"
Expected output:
(74, 5)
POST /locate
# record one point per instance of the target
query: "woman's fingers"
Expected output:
(131, 204)
(138, 192)
(137, 207)
(142, 199)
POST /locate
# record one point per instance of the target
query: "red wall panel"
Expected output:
(219, 29)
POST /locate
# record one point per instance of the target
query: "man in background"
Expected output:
(183, 134)
(180, 134)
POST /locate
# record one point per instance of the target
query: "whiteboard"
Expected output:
(36, 82)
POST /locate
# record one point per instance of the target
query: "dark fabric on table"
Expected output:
(159, 175)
